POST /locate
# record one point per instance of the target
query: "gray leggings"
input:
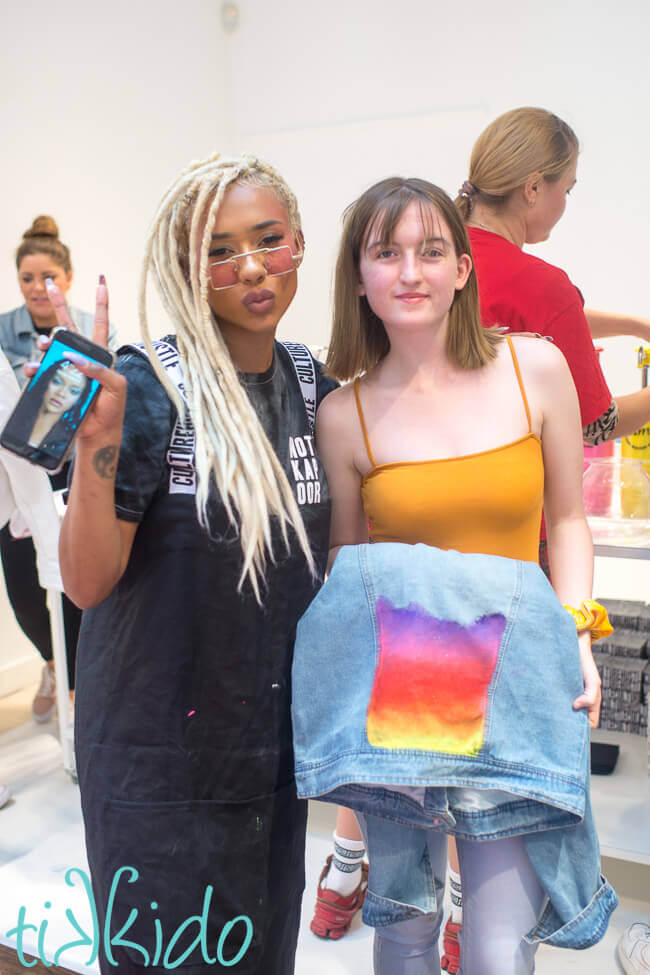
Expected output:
(502, 900)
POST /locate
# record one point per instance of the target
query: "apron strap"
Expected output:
(303, 363)
(182, 445)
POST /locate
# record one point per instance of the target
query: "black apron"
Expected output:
(183, 739)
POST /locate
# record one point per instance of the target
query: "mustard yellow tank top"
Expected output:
(489, 502)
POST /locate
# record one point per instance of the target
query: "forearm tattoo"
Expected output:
(105, 461)
(602, 428)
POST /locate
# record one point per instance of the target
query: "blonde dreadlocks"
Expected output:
(231, 445)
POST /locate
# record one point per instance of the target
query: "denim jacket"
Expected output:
(435, 689)
(18, 336)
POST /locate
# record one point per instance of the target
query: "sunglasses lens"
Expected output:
(223, 275)
(279, 260)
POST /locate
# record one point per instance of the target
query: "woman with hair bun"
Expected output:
(40, 255)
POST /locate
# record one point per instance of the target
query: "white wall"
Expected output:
(373, 88)
(104, 103)
(366, 89)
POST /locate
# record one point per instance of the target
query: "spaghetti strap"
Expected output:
(520, 381)
(363, 422)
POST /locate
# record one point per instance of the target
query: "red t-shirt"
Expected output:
(529, 295)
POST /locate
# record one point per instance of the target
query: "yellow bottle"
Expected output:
(637, 445)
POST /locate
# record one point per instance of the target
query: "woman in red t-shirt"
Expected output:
(522, 168)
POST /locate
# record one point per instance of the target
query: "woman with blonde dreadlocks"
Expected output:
(195, 537)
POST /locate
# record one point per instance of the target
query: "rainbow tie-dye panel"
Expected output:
(431, 686)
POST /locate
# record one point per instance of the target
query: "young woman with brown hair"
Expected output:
(453, 436)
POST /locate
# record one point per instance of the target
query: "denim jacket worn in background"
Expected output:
(18, 336)
(420, 674)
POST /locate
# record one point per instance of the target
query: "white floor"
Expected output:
(41, 838)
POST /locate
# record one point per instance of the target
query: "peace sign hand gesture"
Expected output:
(106, 415)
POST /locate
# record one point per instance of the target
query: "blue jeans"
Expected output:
(502, 900)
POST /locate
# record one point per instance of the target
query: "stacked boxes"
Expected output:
(622, 660)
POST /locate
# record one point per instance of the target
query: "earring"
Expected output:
(531, 203)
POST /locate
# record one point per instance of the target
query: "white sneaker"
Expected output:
(44, 703)
(5, 795)
(634, 949)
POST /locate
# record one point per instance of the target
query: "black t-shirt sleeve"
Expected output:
(147, 430)
(324, 384)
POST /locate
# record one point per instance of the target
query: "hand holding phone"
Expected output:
(74, 383)
(55, 401)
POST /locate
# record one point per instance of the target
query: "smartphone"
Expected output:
(54, 402)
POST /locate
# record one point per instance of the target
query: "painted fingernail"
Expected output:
(102, 279)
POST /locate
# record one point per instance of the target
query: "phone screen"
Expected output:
(51, 408)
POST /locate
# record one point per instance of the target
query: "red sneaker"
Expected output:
(333, 913)
(450, 961)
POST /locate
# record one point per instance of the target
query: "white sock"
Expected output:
(456, 897)
(345, 870)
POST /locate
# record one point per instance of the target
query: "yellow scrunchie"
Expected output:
(591, 616)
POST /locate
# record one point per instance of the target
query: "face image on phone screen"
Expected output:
(51, 408)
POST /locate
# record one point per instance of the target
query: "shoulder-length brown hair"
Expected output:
(359, 340)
